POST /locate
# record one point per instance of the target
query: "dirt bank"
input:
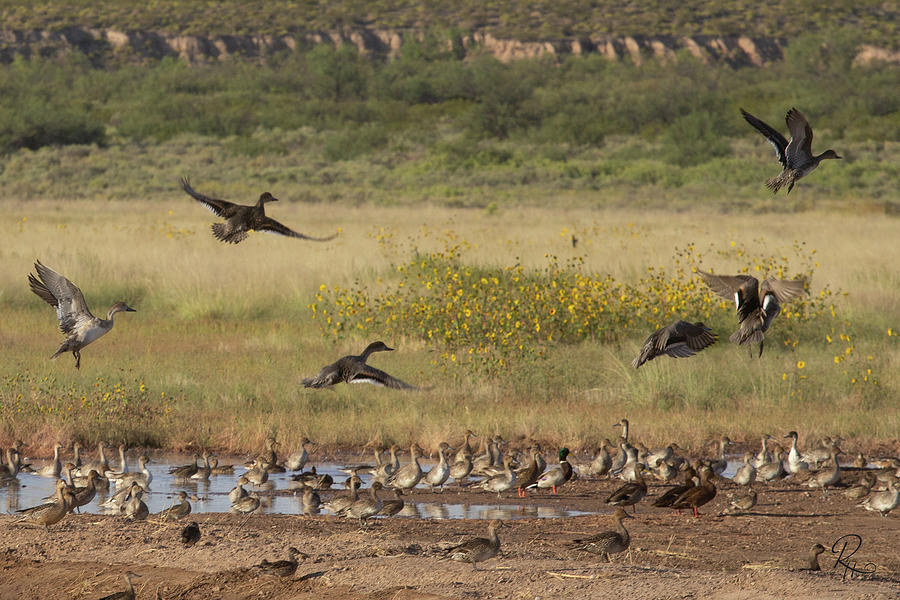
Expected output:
(672, 555)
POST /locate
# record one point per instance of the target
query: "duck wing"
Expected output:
(776, 139)
(328, 376)
(272, 226)
(784, 289)
(220, 208)
(59, 292)
(694, 337)
(367, 374)
(799, 151)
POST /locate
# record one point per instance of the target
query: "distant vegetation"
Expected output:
(430, 116)
(528, 20)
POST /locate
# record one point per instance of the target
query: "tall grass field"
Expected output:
(223, 334)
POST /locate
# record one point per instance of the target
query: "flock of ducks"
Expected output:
(495, 469)
(757, 305)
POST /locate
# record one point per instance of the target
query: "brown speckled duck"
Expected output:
(477, 550)
(240, 219)
(607, 542)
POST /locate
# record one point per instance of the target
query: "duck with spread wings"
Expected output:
(353, 369)
(240, 219)
(796, 157)
(757, 303)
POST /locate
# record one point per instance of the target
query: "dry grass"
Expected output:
(223, 335)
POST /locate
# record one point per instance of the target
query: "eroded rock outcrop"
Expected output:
(99, 44)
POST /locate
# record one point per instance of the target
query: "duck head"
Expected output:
(266, 197)
(563, 453)
(117, 308)
(830, 154)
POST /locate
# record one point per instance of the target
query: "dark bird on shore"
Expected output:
(75, 320)
(679, 340)
(190, 535)
(672, 494)
(353, 369)
(607, 542)
(574, 241)
(630, 493)
(757, 304)
(281, 568)
(796, 157)
(697, 496)
(240, 219)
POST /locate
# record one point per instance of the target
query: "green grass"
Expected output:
(223, 335)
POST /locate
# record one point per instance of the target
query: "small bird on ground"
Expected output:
(812, 563)
(796, 157)
(281, 568)
(75, 319)
(190, 535)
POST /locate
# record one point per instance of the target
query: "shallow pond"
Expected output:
(276, 496)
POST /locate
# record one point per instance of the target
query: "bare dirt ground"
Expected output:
(756, 555)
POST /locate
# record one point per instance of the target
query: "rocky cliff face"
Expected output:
(137, 45)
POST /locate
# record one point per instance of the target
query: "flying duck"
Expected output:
(796, 157)
(240, 219)
(757, 304)
(353, 369)
(680, 339)
(75, 320)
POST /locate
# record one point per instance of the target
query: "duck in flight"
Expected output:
(796, 157)
(240, 219)
(680, 339)
(757, 304)
(75, 320)
(353, 369)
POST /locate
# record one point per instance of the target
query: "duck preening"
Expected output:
(757, 304)
(240, 219)
(796, 157)
(75, 320)
(353, 369)
(680, 339)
